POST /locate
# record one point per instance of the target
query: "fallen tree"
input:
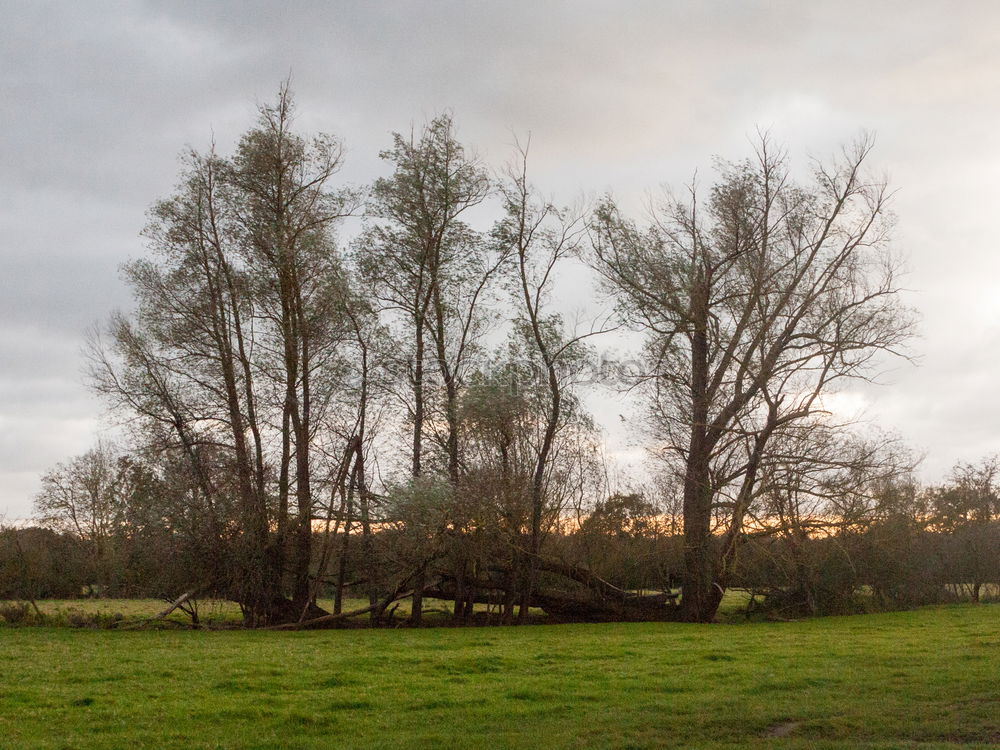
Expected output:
(333, 620)
(567, 593)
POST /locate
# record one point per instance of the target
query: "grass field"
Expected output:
(929, 678)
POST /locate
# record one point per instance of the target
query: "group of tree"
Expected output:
(888, 544)
(399, 414)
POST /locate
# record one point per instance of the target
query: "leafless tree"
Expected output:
(758, 300)
(87, 497)
(234, 339)
(541, 238)
(431, 272)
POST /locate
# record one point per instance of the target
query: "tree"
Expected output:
(968, 508)
(430, 271)
(419, 251)
(362, 403)
(503, 515)
(817, 487)
(758, 300)
(540, 238)
(38, 563)
(87, 497)
(232, 353)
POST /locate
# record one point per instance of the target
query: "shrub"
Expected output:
(17, 613)
(94, 620)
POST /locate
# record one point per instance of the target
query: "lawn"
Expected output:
(929, 678)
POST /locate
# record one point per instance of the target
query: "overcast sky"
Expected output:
(98, 98)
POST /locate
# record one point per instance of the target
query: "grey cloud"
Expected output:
(100, 97)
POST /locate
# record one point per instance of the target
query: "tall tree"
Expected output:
(757, 300)
(231, 346)
(541, 239)
(284, 214)
(430, 270)
(418, 249)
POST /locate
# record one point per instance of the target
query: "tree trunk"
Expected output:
(697, 599)
(417, 602)
(459, 609)
(344, 549)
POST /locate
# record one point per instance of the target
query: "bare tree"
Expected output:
(233, 342)
(968, 507)
(87, 497)
(540, 238)
(430, 271)
(758, 300)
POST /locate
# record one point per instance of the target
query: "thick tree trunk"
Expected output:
(417, 602)
(459, 611)
(697, 599)
(302, 557)
(344, 550)
(418, 400)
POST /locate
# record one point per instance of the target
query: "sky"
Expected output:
(99, 98)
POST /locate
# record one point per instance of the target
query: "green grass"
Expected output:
(929, 678)
(134, 610)
(212, 613)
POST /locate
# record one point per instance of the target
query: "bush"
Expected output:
(94, 620)
(18, 613)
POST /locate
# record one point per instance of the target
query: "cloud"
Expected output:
(100, 97)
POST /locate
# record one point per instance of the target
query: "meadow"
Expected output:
(925, 678)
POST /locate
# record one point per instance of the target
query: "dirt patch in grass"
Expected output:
(782, 729)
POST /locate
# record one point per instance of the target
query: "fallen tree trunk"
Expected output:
(581, 607)
(580, 596)
(179, 601)
(326, 621)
